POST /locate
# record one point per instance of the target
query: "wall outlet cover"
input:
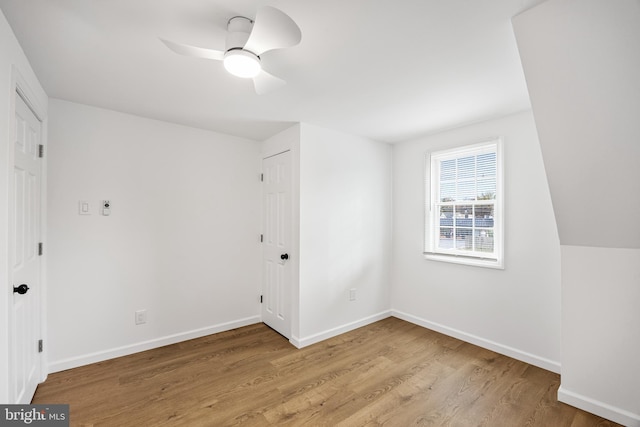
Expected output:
(141, 317)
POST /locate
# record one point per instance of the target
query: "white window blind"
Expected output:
(464, 205)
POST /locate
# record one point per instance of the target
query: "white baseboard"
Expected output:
(601, 409)
(333, 332)
(541, 362)
(86, 359)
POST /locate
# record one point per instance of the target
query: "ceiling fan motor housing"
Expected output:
(246, 40)
(238, 31)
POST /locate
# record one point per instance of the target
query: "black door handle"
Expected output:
(284, 257)
(22, 289)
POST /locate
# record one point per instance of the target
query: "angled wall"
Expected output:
(582, 61)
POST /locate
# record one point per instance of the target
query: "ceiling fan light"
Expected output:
(242, 63)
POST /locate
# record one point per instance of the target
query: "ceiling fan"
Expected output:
(246, 41)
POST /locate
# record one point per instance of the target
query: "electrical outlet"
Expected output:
(141, 317)
(352, 294)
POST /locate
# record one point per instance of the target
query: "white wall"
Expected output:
(581, 61)
(345, 232)
(182, 240)
(601, 331)
(515, 311)
(14, 69)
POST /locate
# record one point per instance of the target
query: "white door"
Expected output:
(276, 254)
(25, 261)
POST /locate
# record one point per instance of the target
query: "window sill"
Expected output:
(475, 262)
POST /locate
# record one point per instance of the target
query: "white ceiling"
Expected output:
(388, 70)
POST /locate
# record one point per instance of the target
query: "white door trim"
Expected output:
(289, 140)
(21, 87)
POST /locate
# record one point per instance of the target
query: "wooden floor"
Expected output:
(389, 373)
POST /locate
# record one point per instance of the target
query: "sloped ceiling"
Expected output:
(387, 70)
(582, 62)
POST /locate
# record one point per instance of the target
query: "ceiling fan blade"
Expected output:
(198, 52)
(272, 29)
(265, 82)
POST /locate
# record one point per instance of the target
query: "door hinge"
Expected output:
(261, 177)
(40, 346)
(40, 249)
(261, 238)
(40, 151)
(260, 299)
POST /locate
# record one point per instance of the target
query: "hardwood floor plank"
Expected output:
(395, 404)
(389, 373)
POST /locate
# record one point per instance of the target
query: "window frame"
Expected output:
(432, 217)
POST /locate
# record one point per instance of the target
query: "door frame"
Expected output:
(21, 87)
(287, 140)
(288, 249)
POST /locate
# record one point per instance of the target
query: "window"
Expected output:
(464, 205)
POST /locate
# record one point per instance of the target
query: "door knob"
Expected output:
(284, 257)
(22, 289)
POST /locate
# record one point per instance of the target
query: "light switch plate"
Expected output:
(84, 207)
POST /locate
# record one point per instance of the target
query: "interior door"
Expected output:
(25, 261)
(276, 273)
